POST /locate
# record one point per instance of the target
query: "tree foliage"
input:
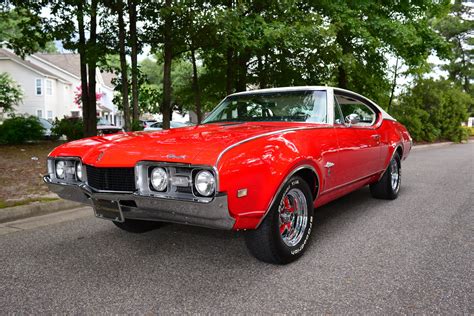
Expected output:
(433, 110)
(205, 50)
(10, 92)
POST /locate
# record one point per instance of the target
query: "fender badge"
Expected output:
(171, 156)
(101, 154)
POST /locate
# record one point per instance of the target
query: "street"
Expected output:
(411, 255)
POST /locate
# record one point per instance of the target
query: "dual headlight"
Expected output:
(204, 181)
(66, 169)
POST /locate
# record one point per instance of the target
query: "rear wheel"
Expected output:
(389, 185)
(284, 233)
(138, 226)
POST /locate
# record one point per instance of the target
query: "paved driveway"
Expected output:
(414, 254)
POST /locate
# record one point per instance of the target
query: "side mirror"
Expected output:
(352, 119)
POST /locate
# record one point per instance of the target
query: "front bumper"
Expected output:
(214, 214)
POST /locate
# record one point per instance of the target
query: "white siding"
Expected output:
(26, 79)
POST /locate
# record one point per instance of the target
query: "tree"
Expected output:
(457, 28)
(433, 110)
(74, 23)
(21, 30)
(368, 31)
(10, 93)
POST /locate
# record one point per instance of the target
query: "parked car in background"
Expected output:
(260, 162)
(159, 126)
(104, 127)
(146, 123)
(47, 126)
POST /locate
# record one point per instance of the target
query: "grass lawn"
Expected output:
(21, 170)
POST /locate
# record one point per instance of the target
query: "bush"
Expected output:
(137, 126)
(433, 110)
(71, 127)
(469, 131)
(20, 129)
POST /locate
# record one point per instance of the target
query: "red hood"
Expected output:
(197, 145)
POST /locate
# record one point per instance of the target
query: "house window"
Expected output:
(50, 115)
(38, 86)
(39, 113)
(49, 87)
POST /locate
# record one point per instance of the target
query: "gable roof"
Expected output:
(6, 54)
(71, 63)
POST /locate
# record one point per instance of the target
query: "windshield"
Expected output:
(288, 106)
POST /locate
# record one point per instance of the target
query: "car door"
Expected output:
(359, 142)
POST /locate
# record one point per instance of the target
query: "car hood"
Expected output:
(200, 144)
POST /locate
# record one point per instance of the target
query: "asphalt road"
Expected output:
(411, 255)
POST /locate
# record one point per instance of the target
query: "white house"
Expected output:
(51, 82)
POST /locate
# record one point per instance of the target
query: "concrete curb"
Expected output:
(469, 141)
(35, 209)
(432, 145)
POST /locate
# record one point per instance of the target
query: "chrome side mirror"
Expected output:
(352, 119)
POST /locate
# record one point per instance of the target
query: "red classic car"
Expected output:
(260, 162)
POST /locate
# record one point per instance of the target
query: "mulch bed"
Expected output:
(21, 170)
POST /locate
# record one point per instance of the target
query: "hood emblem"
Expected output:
(101, 154)
(171, 156)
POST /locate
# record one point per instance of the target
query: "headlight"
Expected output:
(60, 169)
(79, 170)
(205, 183)
(159, 179)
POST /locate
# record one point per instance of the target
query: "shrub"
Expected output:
(469, 131)
(433, 110)
(71, 127)
(137, 126)
(20, 129)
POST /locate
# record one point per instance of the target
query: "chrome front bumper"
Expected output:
(214, 214)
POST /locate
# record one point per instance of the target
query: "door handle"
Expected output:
(375, 136)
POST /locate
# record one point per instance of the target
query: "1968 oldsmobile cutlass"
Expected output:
(260, 162)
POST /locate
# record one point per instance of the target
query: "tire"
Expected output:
(388, 186)
(137, 226)
(283, 235)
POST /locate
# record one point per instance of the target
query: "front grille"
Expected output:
(111, 179)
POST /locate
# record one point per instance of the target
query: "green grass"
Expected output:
(5, 204)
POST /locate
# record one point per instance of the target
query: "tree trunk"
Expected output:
(123, 67)
(196, 90)
(242, 71)
(342, 79)
(229, 71)
(83, 67)
(134, 56)
(168, 58)
(91, 121)
(394, 85)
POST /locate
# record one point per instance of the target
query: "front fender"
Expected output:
(261, 167)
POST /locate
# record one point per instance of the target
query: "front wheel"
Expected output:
(389, 185)
(284, 233)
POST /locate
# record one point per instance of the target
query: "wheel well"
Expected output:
(310, 177)
(400, 151)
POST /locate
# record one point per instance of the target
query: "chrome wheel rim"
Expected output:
(293, 217)
(395, 173)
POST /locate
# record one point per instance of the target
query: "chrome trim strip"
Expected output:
(256, 137)
(280, 188)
